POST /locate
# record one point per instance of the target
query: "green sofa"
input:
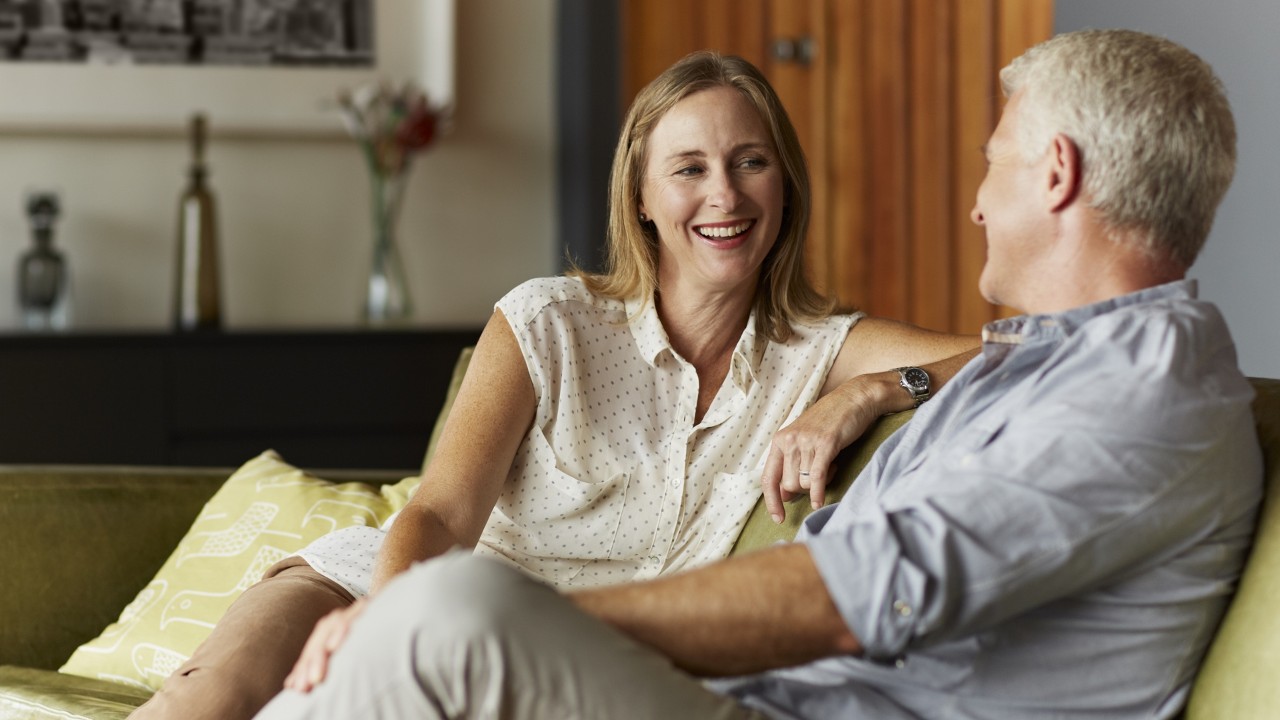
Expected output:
(77, 544)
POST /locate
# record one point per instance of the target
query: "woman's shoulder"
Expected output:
(823, 329)
(532, 297)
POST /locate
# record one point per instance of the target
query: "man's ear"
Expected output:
(1065, 174)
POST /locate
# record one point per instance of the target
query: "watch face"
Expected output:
(916, 378)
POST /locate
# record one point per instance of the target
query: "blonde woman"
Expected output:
(619, 426)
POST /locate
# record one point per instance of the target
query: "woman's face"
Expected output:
(713, 187)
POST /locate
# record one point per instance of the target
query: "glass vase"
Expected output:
(387, 297)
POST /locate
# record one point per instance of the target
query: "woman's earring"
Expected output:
(644, 218)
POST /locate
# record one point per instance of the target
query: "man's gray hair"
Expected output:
(1154, 129)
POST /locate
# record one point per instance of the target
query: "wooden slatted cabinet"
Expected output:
(892, 106)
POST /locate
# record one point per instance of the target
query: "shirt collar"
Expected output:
(651, 340)
(1027, 329)
(646, 328)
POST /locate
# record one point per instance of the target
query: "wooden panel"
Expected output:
(930, 276)
(887, 144)
(819, 149)
(735, 27)
(655, 33)
(802, 85)
(1021, 24)
(848, 161)
(974, 93)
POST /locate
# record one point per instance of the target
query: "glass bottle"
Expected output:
(197, 297)
(42, 270)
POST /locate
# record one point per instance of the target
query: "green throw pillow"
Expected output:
(266, 511)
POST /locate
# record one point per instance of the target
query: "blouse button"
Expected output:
(902, 608)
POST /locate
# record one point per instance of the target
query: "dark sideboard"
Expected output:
(322, 399)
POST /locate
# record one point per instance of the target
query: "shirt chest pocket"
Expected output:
(952, 453)
(560, 516)
(964, 450)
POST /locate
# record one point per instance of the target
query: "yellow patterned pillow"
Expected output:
(266, 511)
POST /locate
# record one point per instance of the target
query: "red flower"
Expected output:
(390, 124)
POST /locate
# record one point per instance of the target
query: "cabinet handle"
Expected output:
(800, 50)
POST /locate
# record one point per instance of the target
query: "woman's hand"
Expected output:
(801, 456)
(326, 638)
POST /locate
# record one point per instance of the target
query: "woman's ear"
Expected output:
(1065, 174)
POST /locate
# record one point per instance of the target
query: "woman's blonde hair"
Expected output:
(783, 293)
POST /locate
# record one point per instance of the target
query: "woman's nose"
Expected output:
(724, 194)
(976, 215)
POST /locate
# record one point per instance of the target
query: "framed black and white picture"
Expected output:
(255, 67)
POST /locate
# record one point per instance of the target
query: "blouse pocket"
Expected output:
(557, 516)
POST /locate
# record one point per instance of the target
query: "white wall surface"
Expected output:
(479, 215)
(1239, 268)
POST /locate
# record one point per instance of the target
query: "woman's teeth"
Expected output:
(727, 231)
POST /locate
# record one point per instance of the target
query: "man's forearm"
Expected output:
(765, 610)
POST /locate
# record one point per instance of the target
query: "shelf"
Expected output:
(322, 398)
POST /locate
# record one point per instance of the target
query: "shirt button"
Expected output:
(675, 482)
(902, 608)
(900, 663)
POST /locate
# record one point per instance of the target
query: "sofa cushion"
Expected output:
(1237, 679)
(265, 511)
(27, 694)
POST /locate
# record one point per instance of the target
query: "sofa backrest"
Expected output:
(1238, 680)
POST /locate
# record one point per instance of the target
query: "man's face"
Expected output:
(1008, 208)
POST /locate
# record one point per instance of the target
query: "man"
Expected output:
(1056, 535)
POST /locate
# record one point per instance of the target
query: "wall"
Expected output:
(480, 216)
(1238, 268)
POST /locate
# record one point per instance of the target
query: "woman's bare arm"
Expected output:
(489, 418)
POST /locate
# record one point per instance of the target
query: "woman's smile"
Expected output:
(725, 235)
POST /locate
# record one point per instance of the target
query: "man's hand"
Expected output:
(801, 457)
(330, 632)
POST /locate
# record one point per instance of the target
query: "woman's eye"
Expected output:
(753, 163)
(689, 171)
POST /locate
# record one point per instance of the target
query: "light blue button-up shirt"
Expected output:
(1056, 535)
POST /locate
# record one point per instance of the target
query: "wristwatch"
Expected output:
(916, 382)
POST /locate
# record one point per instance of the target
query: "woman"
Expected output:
(612, 427)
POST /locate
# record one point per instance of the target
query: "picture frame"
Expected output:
(415, 42)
